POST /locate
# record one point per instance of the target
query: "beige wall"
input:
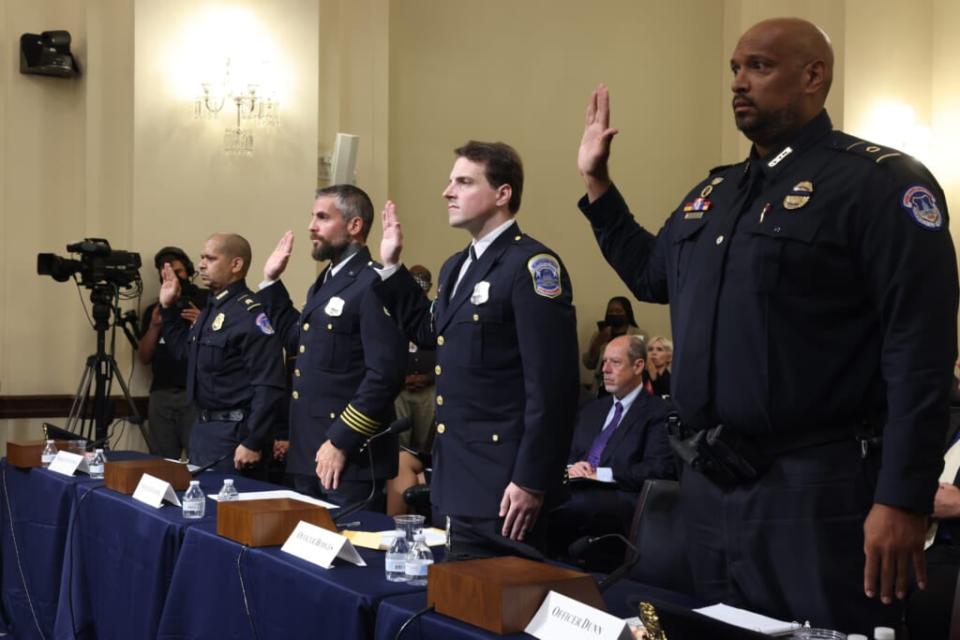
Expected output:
(116, 153)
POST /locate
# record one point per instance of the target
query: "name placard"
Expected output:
(320, 547)
(563, 617)
(153, 491)
(67, 463)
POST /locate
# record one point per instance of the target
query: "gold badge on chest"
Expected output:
(799, 196)
(217, 323)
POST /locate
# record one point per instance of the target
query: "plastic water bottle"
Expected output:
(48, 454)
(228, 492)
(397, 558)
(95, 465)
(194, 502)
(418, 561)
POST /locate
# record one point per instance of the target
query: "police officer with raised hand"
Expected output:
(350, 355)
(504, 330)
(813, 293)
(235, 371)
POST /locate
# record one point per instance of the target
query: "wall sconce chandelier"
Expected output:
(253, 107)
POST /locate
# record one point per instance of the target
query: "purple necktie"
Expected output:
(596, 449)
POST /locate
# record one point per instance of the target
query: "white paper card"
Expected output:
(320, 547)
(67, 463)
(278, 493)
(153, 491)
(747, 619)
(563, 617)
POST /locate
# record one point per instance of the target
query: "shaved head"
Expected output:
(783, 68)
(233, 245)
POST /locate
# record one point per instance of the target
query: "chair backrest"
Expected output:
(659, 535)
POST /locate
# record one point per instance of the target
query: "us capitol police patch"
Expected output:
(545, 270)
(922, 205)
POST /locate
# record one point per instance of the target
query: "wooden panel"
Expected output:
(264, 523)
(58, 406)
(26, 455)
(503, 594)
(124, 476)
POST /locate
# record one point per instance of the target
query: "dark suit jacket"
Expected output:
(507, 372)
(637, 450)
(350, 363)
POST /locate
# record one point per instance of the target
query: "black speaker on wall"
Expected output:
(48, 54)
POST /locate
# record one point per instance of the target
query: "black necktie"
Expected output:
(472, 257)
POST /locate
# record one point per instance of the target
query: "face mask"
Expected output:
(423, 282)
(614, 320)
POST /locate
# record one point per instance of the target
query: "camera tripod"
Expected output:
(99, 372)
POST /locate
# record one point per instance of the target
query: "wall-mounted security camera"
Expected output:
(48, 54)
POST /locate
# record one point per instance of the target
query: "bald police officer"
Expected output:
(813, 298)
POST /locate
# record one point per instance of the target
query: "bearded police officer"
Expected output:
(813, 298)
(234, 359)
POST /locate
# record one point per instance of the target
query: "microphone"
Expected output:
(581, 545)
(396, 427)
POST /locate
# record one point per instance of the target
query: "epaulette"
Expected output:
(720, 168)
(373, 264)
(248, 301)
(864, 149)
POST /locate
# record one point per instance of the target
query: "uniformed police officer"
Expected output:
(813, 293)
(350, 355)
(504, 329)
(234, 360)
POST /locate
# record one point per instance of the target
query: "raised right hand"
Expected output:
(595, 143)
(170, 289)
(392, 243)
(277, 262)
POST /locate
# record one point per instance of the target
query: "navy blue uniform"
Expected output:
(350, 363)
(809, 291)
(235, 373)
(506, 373)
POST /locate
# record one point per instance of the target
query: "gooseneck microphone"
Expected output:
(580, 545)
(396, 427)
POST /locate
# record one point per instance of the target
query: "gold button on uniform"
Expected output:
(476, 317)
(333, 415)
(296, 395)
(719, 239)
(440, 400)
(437, 370)
(296, 372)
(441, 428)
(303, 348)
(306, 326)
(440, 340)
(329, 327)
(495, 438)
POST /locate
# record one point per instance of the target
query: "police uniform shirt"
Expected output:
(350, 359)
(235, 360)
(507, 372)
(812, 288)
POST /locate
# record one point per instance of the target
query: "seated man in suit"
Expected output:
(619, 441)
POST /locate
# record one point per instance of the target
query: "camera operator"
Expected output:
(171, 414)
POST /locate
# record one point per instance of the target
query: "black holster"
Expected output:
(719, 453)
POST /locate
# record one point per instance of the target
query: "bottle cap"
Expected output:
(884, 633)
(194, 482)
(99, 450)
(857, 636)
(49, 441)
(228, 481)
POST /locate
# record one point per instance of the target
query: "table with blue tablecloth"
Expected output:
(221, 589)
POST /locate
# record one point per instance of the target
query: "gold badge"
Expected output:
(795, 202)
(805, 187)
(218, 322)
(707, 190)
(716, 181)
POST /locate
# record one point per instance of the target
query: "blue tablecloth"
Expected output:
(394, 611)
(288, 598)
(35, 506)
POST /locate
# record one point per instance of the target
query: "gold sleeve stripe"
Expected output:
(356, 426)
(368, 421)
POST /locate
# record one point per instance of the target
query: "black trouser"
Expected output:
(482, 538)
(789, 545)
(930, 612)
(349, 492)
(212, 440)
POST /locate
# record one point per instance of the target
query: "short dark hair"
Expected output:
(352, 202)
(502, 166)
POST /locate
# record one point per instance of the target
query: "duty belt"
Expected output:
(222, 415)
(729, 458)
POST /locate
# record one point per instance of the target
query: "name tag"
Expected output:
(67, 463)
(319, 546)
(563, 617)
(153, 491)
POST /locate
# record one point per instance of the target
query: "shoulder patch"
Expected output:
(545, 271)
(249, 302)
(263, 323)
(920, 202)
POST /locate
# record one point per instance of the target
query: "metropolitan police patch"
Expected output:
(263, 323)
(545, 270)
(922, 204)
